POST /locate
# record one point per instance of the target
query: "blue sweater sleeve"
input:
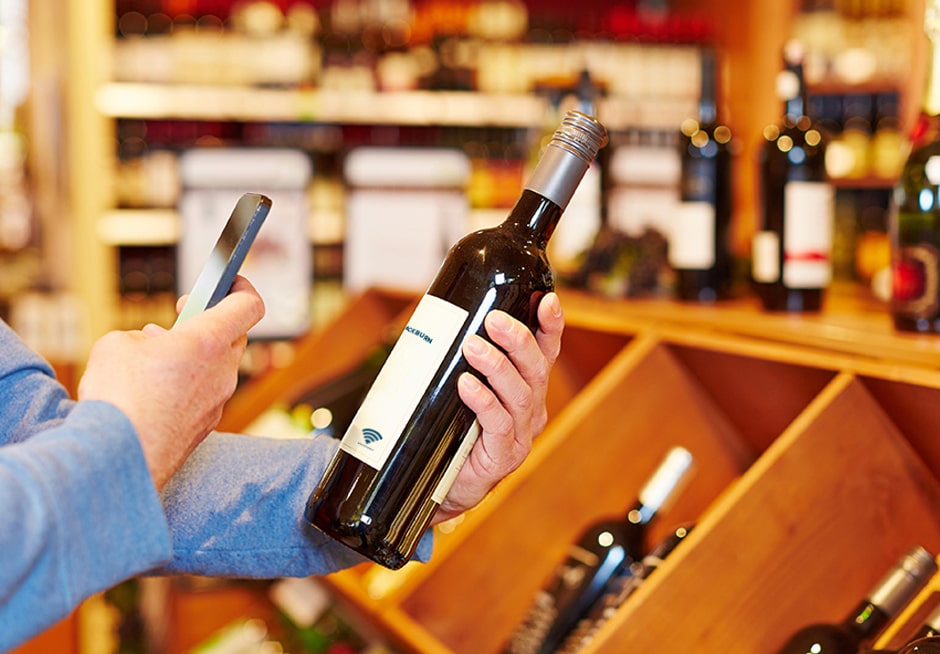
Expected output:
(236, 509)
(80, 514)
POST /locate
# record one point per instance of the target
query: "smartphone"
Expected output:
(218, 274)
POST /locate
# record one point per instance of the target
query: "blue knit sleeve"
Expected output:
(80, 514)
(236, 509)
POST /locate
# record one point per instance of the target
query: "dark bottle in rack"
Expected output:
(699, 247)
(412, 433)
(792, 248)
(863, 624)
(915, 218)
(603, 552)
(619, 589)
(925, 640)
(334, 403)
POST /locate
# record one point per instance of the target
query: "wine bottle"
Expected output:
(885, 600)
(928, 645)
(699, 248)
(619, 589)
(792, 250)
(333, 404)
(412, 433)
(929, 632)
(914, 223)
(601, 553)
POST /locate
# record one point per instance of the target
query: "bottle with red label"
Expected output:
(915, 219)
(791, 252)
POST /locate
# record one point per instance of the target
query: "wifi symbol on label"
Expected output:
(371, 436)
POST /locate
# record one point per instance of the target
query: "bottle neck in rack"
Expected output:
(866, 621)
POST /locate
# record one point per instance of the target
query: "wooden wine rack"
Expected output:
(816, 447)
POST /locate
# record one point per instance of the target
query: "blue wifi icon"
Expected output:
(370, 436)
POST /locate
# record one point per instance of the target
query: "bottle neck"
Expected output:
(708, 94)
(794, 107)
(927, 127)
(866, 621)
(557, 175)
(536, 215)
(662, 487)
(891, 594)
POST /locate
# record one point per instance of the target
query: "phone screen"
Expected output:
(217, 275)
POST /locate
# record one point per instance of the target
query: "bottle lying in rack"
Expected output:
(332, 405)
(412, 433)
(863, 624)
(929, 645)
(602, 554)
(619, 589)
(925, 640)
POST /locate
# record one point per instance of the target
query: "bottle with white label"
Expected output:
(603, 551)
(914, 223)
(699, 243)
(791, 252)
(412, 433)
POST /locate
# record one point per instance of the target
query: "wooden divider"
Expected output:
(597, 455)
(827, 509)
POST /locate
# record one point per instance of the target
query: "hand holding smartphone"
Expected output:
(217, 275)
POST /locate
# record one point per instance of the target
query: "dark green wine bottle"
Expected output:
(412, 433)
(863, 624)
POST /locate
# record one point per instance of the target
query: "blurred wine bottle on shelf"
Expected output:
(863, 624)
(602, 552)
(619, 589)
(792, 249)
(332, 405)
(308, 620)
(928, 632)
(699, 246)
(914, 225)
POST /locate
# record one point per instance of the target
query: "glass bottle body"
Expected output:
(792, 249)
(382, 511)
(841, 638)
(699, 245)
(699, 249)
(915, 239)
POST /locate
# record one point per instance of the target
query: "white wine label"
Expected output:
(765, 257)
(809, 210)
(692, 245)
(409, 369)
(448, 479)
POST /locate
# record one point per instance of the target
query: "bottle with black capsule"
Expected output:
(603, 552)
(791, 251)
(699, 245)
(397, 460)
(863, 624)
(619, 589)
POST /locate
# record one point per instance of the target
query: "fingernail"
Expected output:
(499, 321)
(470, 383)
(476, 345)
(554, 305)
